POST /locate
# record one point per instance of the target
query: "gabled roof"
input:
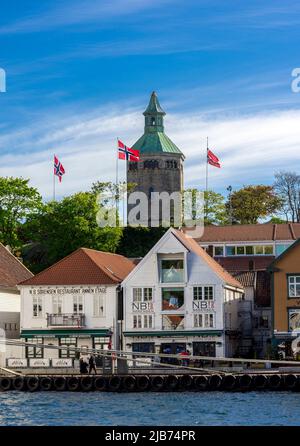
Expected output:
(193, 246)
(283, 254)
(251, 233)
(12, 271)
(85, 267)
(190, 245)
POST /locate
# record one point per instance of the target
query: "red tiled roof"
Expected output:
(12, 271)
(85, 267)
(260, 281)
(193, 246)
(251, 233)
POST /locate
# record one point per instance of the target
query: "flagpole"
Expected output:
(206, 181)
(206, 178)
(117, 181)
(53, 182)
(125, 190)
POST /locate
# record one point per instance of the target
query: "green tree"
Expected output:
(214, 208)
(17, 201)
(137, 242)
(287, 185)
(252, 203)
(62, 227)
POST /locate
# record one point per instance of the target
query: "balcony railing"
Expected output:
(66, 320)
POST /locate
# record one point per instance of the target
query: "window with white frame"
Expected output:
(172, 270)
(218, 251)
(77, 304)
(143, 321)
(204, 320)
(246, 250)
(57, 302)
(203, 292)
(37, 306)
(98, 305)
(294, 286)
(142, 294)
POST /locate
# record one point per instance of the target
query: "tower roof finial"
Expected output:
(154, 106)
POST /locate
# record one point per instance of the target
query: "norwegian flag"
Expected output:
(59, 170)
(126, 153)
(212, 159)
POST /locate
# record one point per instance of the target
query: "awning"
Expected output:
(65, 333)
(173, 333)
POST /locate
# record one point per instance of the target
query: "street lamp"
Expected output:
(229, 188)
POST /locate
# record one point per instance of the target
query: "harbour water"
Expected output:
(142, 409)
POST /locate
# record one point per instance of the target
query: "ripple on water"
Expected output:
(141, 409)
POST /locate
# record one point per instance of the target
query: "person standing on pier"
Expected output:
(92, 364)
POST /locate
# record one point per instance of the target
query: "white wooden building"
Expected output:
(178, 298)
(73, 303)
(12, 271)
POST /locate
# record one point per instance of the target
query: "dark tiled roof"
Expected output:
(85, 267)
(251, 233)
(245, 263)
(12, 271)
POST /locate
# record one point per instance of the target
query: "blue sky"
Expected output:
(79, 74)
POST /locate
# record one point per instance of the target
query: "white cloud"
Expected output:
(80, 12)
(250, 148)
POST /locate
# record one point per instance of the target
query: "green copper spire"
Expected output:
(154, 115)
(154, 139)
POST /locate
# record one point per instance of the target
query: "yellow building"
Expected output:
(285, 271)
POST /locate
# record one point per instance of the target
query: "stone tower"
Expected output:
(160, 168)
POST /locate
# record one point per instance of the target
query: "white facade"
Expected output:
(68, 315)
(187, 313)
(10, 312)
